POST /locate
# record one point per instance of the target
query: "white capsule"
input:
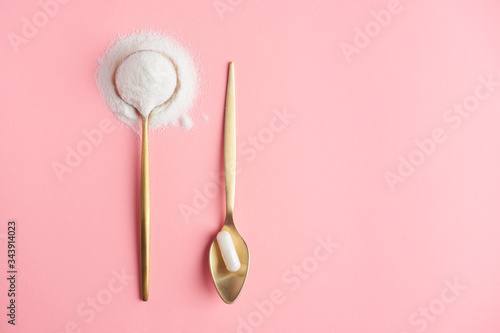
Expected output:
(228, 251)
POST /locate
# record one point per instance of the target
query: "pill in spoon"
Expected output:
(228, 251)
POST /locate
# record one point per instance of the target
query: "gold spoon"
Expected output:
(229, 284)
(142, 104)
(145, 212)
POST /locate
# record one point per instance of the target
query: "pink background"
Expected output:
(320, 175)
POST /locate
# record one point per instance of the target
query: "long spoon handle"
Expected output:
(230, 142)
(145, 211)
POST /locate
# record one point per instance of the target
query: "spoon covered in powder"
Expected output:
(145, 79)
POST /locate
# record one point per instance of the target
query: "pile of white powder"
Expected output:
(173, 112)
(146, 79)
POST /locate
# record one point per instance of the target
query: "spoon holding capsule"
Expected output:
(229, 257)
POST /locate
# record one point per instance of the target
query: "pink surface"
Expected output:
(411, 250)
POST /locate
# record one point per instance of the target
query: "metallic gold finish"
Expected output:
(145, 196)
(145, 211)
(229, 284)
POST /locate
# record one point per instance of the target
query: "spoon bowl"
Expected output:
(229, 284)
(145, 79)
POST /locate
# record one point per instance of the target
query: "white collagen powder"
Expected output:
(174, 111)
(145, 79)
